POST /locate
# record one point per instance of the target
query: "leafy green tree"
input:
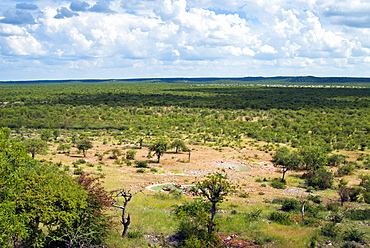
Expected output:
(91, 225)
(159, 148)
(35, 198)
(319, 179)
(336, 160)
(286, 160)
(313, 157)
(179, 145)
(84, 145)
(35, 146)
(215, 188)
(46, 134)
(130, 154)
(63, 147)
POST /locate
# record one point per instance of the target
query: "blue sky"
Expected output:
(52, 39)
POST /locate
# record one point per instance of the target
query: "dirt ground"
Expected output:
(176, 168)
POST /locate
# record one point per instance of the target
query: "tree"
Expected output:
(34, 197)
(313, 157)
(336, 160)
(215, 188)
(159, 148)
(319, 179)
(84, 145)
(126, 198)
(130, 154)
(46, 134)
(179, 145)
(63, 147)
(286, 160)
(92, 224)
(35, 146)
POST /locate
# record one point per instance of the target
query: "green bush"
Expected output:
(277, 184)
(291, 204)
(358, 214)
(330, 230)
(281, 218)
(80, 161)
(134, 234)
(140, 171)
(130, 154)
(78, 171)
(319, 179)
(345, 170)
(333, 206)
(253, 215)
(244, 195)
(354, 235)
(141, 164)
(314, 198)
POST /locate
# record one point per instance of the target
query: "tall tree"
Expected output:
(35, 146)
(84, 145)
(215, 188)
(159, 148)
(286, 160)
(179, 145)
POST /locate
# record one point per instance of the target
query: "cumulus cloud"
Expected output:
(17, 17)
(64, 13)
(190, 37)
(28, 6)
(77, 5)
(101, 7)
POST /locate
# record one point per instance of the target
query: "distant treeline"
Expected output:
(299, 80)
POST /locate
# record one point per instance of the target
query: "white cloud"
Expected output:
(188, 37)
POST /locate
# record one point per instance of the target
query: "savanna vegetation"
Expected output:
(75, 158)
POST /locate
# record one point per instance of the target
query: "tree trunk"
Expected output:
(212, 221)
(126, 223)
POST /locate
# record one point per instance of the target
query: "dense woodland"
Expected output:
(315, 120)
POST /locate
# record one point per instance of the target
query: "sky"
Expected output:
(113, 39)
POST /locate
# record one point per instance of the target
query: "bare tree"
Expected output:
(126, 198)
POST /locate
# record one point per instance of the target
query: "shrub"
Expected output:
(345, 170)
(134, 234)
(253, 215)
(330, 230)
(130, 154)
(310, 222)
(78, 171)
(140, 171)
(319, 179)
(354, 235)
(80, 161)
(277, 184)
(290, 204)
(314, 198)
(358, 214)
(141, 164)
(281, 218)
(244, 195)
(334, 207)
